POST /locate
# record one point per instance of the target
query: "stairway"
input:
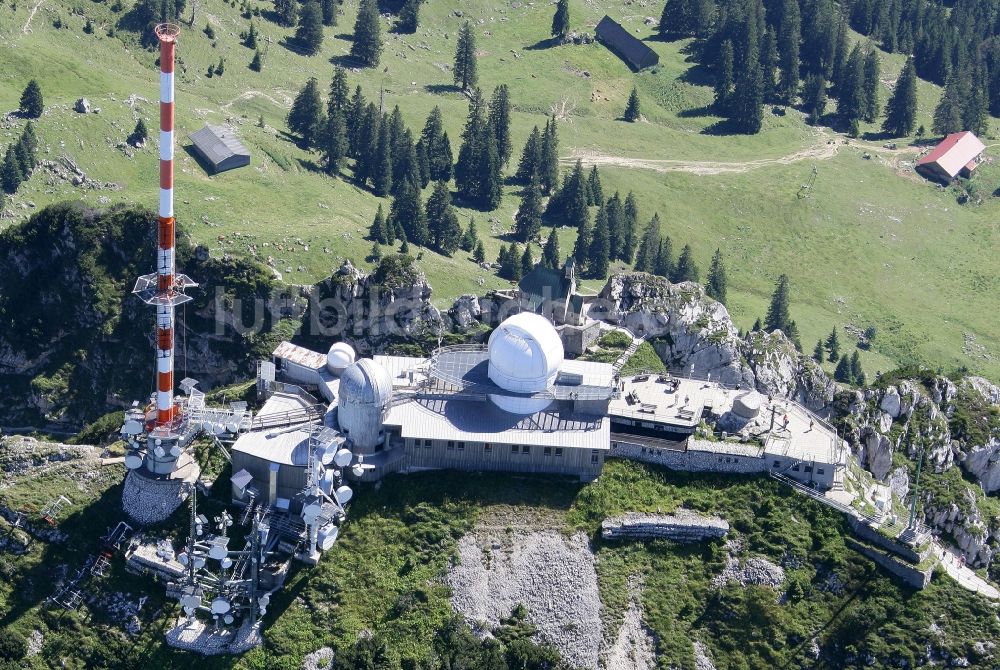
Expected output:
(627, 354)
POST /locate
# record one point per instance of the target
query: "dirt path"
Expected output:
(286, 101)
(827, 146)
(27, 24)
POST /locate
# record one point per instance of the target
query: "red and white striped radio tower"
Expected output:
(164, 289)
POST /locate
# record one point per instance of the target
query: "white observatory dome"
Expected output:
(525, 354)
(339, 358)
(365, 393)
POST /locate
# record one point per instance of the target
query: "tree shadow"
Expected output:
(293, 45)
(697, 112)
(443, 89)
(543, 44)
(722, 128)
(346, 61)
(310, 165)
(697, 75)
(668, 38)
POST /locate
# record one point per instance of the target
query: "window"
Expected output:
(809, 468)
(820, 471)
(547, 451)
(559, 451)
(526, 449)
(595, 456)
(513, 449)
(777, 464)
(488, 448)
(461, 446)
(451, 445)
(796, 468)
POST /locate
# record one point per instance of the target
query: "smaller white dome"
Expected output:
(340, 357)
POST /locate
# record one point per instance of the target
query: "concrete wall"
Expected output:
(294, 372)
(691, 460)
(501, 457)
(869, 534)
(291, 478)
(907, 573)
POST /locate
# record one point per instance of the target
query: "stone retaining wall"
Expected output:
(684, 526)
(691, 460)
(910, 575)
(869, 534)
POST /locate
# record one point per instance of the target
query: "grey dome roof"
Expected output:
(365, 383)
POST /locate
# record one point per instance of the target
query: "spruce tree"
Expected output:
(814, 97)
(789, 36)
(573, 197)
(404, 248)
(528, 220)
(615, 214)
(479, 255)
(857, 374)
(851, 88)
(250, 38)
(375, 255)
(833, 345)
(630, 228)
(499, 119)
(470, 238)
(686, 269)
(527, 262)
(490, 173)
(950, 109)
(25, 159)
(843, 371)
(409, 17)
(548, 169)
(309, 34)
(339, 98)
(435, 141)
(649, 248)
(287, 12)
(10, 173)
(334, 142)
(377, 232)
(468, 167)
(442, 221)
(550, 253)
(724, 77)
(465, 70)
(872, 73)
(306, 115)
(381, 167)
(976, 115)
(30, 140)
(329, 8)
(901, 110)
(598, 255)
(405, 165)
(32, 104)
(138, 136)
(716, 286)
(632, 108)
(257, 63)
(407, 213)
(818, 354)
(595, 192)
(665, 266)
(581, 248)
(355, 116)
(531, 157)
(768, 66)
(560, 20)
(367, 45)
(777, 317)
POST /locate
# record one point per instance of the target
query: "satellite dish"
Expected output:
(218, 552)
(207, 426)
(263, 611)
(220, 606)
(327, 536)
(233, 427)
(131, 427)
(227, 562)
(190, 603)
(199, 562)
(329, 478)
(311, 511)
(133, 461)
(218, 428)
(357, 470)
(228, 619)
(159, 451)
(343, 495)
(175, 450)
(326, 456)
(183, 558)
(343, 457)
(264, 600)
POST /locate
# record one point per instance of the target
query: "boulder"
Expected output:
(82, 106)
(465, 311)
(891, 403)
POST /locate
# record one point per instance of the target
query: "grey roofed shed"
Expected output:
(220, 148)
(628, 47)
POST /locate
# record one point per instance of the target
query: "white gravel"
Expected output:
(634, 648)
(149, 501)
(702, 657)
(321, 659)
(552, 575)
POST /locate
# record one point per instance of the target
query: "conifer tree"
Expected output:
(746, 111)
(814, 97)
(686, 269)
(632, 108)
(768, 66)
(724, 77)
(340, 95)
(550, 253)
(649, 248)
(872, 73)
(901, 110)
(548, 169)
(404, 248)
(599, 252)
(499, 119)
(407, 213)
(850, 89)
(465, 70)
(469, 165)
(10, 173)
(581, 248)
(257, 63)
(405, 165)
(306, 115)
(377, 232)
(479, 255)
(25, 159)
(818, 353)
(777, 317)
(375, 255)
(442, 221)
(355, 116)
(367, 45)
(30, 140)
(789, 36)
(381, 168)
(527, 262)
(310, 31)
(615, 214)
(528, 220)
(834, 69)
(250, 38)
(409, 17)
(470, 236)
(435, 141)
(138, 136)
(287, 12)
(949, 111)
(32, 104)
(329, 8)
(490, 173)
(976, 115)
(560, 20)
(717, 280)
(630, 228)
(833, 345)
(843, 371)
(857, 374)
(334, 142)
(531, 158)
(595, 192)
(572, 199)
(665, 266)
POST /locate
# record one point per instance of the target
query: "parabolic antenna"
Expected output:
(228, 619)
(233, 427)
(132, 461)
(207, 426)
(327, 536)
(175, 450)
(327, 482)
(218, 429)
(199, 562)
(220, 606)
(183, 558)
(218, 552)
(227, 562)
(190, 603)
(310, 512)
(158, 450)
(131, 427)
(343, 458)
(343, 495)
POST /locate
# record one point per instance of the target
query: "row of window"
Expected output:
(453, 445)
(805, 468)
